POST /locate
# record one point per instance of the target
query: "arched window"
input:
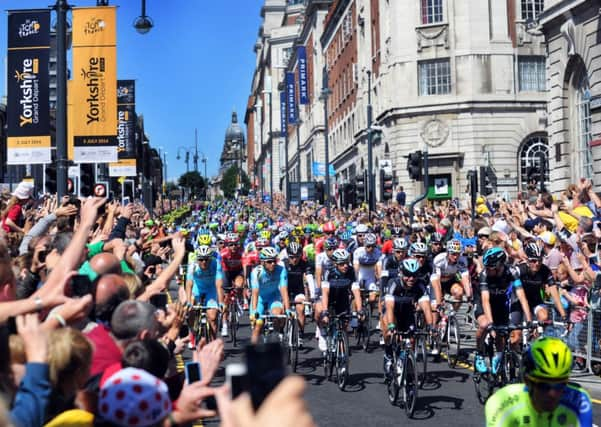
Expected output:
(532, 150)
(583, 125)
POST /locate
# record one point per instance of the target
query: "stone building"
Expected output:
(571, 29)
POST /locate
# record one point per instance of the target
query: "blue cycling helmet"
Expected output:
(410, 267)
(494, 257)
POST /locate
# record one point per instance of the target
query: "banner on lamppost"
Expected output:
(291, 97)
(319, 169)
(283, 124)
(303, 85)
(28, 104)
(126, 128)
(94, 84)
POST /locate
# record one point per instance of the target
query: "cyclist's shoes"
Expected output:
(300, 342)
(322, 344)
(480, 364)
(434, 351)
(354, 322)
(224, 330)
(496, 362)
(387, 365)
(382, 342)
(378, 326)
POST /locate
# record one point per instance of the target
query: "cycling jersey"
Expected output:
(511, 406)
(231, 260)
(367, 262)
(404, 299)
(323, 260)
(390, 270)
(448, 273)
(534, 285)
(296, 284)
(250, 260)
(204, 281)
(340, 285)
(267, 283)
(500, 289)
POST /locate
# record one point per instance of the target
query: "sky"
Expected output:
(191, 70)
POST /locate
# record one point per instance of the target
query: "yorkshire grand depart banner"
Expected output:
(94, 85)
(126, 128)
(28, 104)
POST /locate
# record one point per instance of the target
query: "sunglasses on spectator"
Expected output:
(482, 236)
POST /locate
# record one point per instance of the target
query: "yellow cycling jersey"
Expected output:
(511, 407)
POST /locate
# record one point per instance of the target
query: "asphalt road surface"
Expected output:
(448, 397)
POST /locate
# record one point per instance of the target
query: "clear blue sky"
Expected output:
(191, 69)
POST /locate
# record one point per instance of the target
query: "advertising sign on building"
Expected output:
(28, 105)
(303, 85)
(283, 125)
(94, 85)
(291, 97)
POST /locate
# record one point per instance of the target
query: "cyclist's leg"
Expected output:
(277, 309)
(211, 302)
(300, 310)
(258, 326)
(516, 317)
(456, 291)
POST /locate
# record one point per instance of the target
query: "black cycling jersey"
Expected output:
(391, 266)
(424, 273)
(405, 299)
(296, 284)
(534, 285)
(500, 288)
(340, 284)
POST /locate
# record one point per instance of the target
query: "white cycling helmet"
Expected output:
(204, 251)
(268, 253)
(399, 244)
(418, 248)
(340, 256)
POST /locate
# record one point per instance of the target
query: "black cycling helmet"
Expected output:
(533, 251)
(294, 249)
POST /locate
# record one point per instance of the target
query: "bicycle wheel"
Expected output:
(421, 359)
(294, 342)
(342, 362)
(453, 342)
(409, 385)
(393, 381)
(367, 327)
(484, 385)
(233, 322)
(511, 367)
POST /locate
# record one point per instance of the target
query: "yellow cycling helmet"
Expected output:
(548, 359)
(204, 239)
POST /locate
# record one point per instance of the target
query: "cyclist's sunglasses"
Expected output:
(547, 387)
(269, 261)
(203, 259)
(370, 246)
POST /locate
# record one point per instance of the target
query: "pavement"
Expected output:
(448, 396)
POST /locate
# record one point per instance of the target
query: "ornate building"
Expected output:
(234, 147)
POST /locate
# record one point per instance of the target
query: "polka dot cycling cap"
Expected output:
(134, 398)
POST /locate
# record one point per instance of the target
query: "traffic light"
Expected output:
(414, 165)
(50, 175)
(348, 195)
(319, 192)
(472, 180)
(488, 180)
(386, 185)
(360, 189)
(86, 179)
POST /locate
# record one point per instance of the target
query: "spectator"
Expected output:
(401, 197)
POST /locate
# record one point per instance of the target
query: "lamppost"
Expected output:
(370, 175)
(325, 93)
(258, 110)
(143, 23)
(267, 91)
(299, 122)
(62, 162)
(282, 87)
(187, 160)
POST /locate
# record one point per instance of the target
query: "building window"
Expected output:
(532, 8)
(584, 133)
(531, 73)
(293, 2)
(530, 154)
(431, 11)
(286, 53)
(309, 166)
(435, 77)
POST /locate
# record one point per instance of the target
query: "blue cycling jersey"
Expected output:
(269, 284)
(204, 280)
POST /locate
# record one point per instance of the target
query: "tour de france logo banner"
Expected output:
(28, 105)
(126, 122)
(94, 85)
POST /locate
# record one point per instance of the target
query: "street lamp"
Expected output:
(187, 160)
(325, 93)
(370, 173)
(267, 91)
(143, 24)
(258, 109)
(62, 162)
(299, 122)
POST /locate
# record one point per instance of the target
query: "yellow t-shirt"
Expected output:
(570, 222)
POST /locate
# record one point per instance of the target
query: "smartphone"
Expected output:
(125, 201)
(184, 331)
(159, 300)
(193, 372)
(236, 377)
(265, 365)
(80, 285)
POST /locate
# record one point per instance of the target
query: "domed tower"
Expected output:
(234, 147)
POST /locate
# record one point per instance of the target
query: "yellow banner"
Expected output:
(94, 87)
(28, 141)
(70, 117)
(124, 162)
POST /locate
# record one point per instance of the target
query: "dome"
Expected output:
(234, 131)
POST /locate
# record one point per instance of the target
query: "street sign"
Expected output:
(507, 182)
(100, 190)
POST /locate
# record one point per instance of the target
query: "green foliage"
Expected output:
(232, 178)
(194, 182)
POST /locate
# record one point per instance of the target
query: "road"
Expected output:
(448, 396)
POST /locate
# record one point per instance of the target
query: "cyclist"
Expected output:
(498, 282)
(391, 264)
(338, 285)
(366, 265)
(435, 245)
(269, 286)
(297, 269)
(450, 275)
(546, 398)
(204, 281)
(403, 294)
(231, 261)
(323, 260)
(358, 240)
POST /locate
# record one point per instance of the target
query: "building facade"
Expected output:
(464, 80)
(571, 29)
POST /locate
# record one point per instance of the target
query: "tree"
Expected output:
(234, 178)
(194, 182)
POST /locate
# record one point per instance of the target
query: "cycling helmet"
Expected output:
(399, 244)
(204, 251)
(361, 229)
(294, 249)
(268, 253)
(547, 359)
(329, 227)
(330, 243)
(436, 238)
(204, 239)
(533, 250)
(261, 243)
(266, 234)
(340, 256)
(370, 239)
(232, 238)
(454, 246)
(346, 236)
(494, 257)
(418, 248)
(410, 267)
(397, 231)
